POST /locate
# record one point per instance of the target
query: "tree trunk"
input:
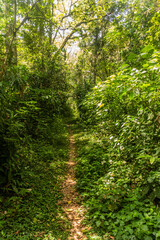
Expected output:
(51, 25)
(14, 32)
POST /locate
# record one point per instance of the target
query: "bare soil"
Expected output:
(71, 203)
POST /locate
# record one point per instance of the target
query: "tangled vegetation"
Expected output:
(118, 145)
(118, 171)
(97, 62)
(34, 151)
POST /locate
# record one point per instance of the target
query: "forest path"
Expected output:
(71, 200)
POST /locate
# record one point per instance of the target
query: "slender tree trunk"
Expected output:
(14, 32)
(51, 25)
(41, 36)
(41, 44)
(51, 7)
(7, 29)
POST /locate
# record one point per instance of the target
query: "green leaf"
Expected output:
(146, 65)
(144, 228)
(157, 192)
(144, 55)
(98, 223)
(123, 66)
(143, 156)
(148, 238)
(132, 56)
(158, 234)
(152, 160)
(147, 49)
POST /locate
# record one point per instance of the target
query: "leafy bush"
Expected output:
(27, 113)
(121, 180)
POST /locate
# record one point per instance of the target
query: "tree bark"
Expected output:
(14, 32)
(16, 29)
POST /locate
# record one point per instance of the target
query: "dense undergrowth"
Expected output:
(34, 151)
(32, 211)
(118, 138)
(118, 151)
(29, 208)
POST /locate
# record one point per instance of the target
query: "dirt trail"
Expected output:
(70, 205)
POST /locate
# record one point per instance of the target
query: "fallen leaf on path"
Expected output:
(111, 237)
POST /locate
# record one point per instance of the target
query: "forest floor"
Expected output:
(71, 202)
(48, 205)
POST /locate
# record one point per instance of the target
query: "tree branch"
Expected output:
(16, 30)
(67, 38)
(26, 17)
(74, 30)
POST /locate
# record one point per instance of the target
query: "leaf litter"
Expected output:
(70, 203)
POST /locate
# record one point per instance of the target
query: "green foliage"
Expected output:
(34, 148)
(32, 211)
(154, 31)
(117, 34)
(118, 157)
(33, 138)
(26, 112)
(119, 160)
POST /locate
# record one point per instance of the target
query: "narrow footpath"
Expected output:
(70, 203)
